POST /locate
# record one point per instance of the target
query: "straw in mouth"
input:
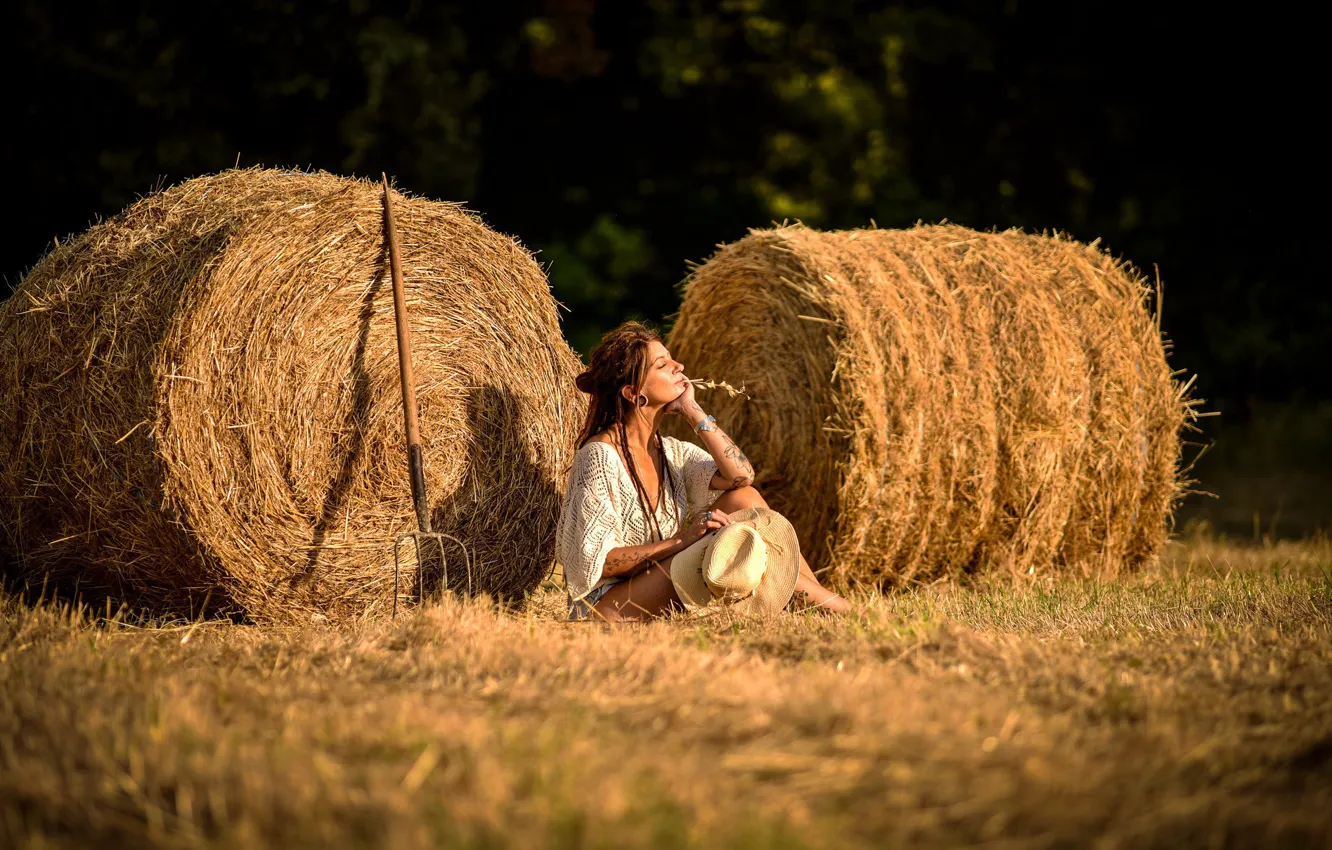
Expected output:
(709, 384)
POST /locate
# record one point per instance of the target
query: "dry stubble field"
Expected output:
(1187, 706)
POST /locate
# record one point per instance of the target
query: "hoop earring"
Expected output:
(642, 400)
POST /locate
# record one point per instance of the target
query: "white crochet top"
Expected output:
(601, 510)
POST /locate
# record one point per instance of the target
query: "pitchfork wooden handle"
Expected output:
(415, 467)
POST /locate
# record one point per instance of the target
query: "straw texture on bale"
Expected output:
(201, 396)
(935, 401)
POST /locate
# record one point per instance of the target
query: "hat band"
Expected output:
(720, 594)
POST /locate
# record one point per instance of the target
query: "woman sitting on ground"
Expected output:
(630, 489)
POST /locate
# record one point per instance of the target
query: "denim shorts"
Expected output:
(581, 609)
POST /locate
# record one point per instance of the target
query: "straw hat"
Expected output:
(752, 564)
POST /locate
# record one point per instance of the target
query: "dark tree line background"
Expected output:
(621, 139)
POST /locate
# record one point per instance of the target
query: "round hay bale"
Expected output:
(201, 396)
(935, 401)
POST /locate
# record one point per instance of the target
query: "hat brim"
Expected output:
(687, 574)
(779, 579)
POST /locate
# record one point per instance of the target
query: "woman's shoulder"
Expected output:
(594, 469)
(597, 443)
(595, 450)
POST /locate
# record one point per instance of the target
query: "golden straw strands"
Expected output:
(719, 385)
(202, 394)
(934, 401)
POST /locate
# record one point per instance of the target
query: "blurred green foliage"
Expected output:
(596, 277)
(621, 140)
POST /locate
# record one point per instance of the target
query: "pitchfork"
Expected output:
(434, 540)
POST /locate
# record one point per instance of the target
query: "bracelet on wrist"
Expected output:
(708, 423)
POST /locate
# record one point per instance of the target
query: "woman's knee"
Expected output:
(648, 594)
(740, 498)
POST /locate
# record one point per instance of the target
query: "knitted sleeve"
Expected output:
(697, 468)
(589, 522)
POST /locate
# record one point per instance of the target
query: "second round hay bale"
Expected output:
(201, 397)
(937, 400)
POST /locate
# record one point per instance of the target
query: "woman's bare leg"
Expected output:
(649, 594)
(815, 594)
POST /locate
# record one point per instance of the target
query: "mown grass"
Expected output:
(1190, 705)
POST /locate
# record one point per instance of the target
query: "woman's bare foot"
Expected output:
(812, 596)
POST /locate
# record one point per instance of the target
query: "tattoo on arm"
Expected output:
(617, 563)
(629, 560)
(732, 451)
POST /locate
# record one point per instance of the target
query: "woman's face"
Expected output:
(665, 379)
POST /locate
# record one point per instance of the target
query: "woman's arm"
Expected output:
(733, 468)
(628, 560)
